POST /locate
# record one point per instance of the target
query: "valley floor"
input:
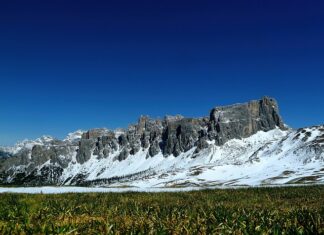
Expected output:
(126, 189)
(273, 210)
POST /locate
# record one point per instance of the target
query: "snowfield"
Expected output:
(276, 157)
(59, 190)
(69, 189)
(266, 158)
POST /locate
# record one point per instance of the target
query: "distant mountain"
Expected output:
(241, 144)
(4, 154)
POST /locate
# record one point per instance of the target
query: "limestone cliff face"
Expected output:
(175, 135)
(244, 120)
(171, 136)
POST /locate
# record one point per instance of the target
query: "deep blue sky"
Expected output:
(67, 65)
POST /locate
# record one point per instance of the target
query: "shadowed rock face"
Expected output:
(171, 136)
(243, 120)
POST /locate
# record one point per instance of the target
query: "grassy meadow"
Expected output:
(286, 210)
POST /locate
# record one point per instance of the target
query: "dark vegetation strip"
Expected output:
(289, 210)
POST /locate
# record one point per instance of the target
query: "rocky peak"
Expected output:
(74, 136)
(94, 133)
(243, 120)
(169, 118)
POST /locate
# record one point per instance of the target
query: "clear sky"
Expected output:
(68, 65)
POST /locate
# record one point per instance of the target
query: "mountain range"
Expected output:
(244, 144)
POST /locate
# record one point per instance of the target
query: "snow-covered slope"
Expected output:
(74, 136)
(265, 158)
(45, 140)
(273, 157)
(28, 144)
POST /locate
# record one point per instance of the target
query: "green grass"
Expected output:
(291, 210)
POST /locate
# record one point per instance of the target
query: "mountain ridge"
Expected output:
(174, 151)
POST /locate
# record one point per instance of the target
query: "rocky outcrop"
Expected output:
(172, 135)
(86, 147)
(94, 133)
(181, 135)
(243, 120)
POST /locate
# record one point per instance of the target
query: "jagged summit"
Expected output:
(229, 135)
(174, 135)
